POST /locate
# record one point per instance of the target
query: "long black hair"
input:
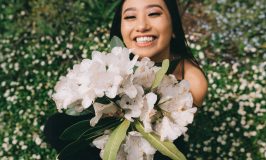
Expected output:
(178, 44)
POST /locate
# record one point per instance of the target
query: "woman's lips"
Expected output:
(144, 44)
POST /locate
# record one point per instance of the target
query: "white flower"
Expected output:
(148, 111)
(117, 67)
(77, 85)
(177, 106)
(145, 73)
(132, 107)
(101, 109)
(127, 87)
(85, 78)
(119, 61)
(113, 86)
(66, 93)
(137, 147)
(183, 87)
(88, 98)
(125, 81)
(178, 103)
(106, 83)
(100, 57)
(174, 124)
(167, 88)
(168, 130)
(183, 118)
(101, 76)
(175, 97)
(100, 143)
(89, 73)
(121, 155)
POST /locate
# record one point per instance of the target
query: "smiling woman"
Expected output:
(152, 29)
(147, 28)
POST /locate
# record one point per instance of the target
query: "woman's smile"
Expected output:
(145, 41)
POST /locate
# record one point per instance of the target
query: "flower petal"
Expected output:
(145, 73)
(132, 107)
(183, 118)
(137, 147)
(169, 130)
(148, 111)
(101, 109)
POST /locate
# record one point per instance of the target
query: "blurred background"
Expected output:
(41, 39)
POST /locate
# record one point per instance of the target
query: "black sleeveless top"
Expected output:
(58, 122)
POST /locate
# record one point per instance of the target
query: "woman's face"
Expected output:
(146, 27)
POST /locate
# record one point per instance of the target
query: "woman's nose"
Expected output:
(142, 25)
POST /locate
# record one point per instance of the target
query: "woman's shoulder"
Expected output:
(197, 80)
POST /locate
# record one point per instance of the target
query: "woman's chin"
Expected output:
(143, 52)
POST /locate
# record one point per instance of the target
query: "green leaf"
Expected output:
(103, 100)
(116, 42)
(115, 140)
(75, 131)
(111, 9)
(74, 148)
(72, 112)
(83, 129)
(94, 132)
(160, 74)
(167, 148)
(92, 4)
(83, 134)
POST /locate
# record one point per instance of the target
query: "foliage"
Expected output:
(41, 39)
(167, 148)
(115, 140)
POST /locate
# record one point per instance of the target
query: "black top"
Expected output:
(58, 122)
(172, 66)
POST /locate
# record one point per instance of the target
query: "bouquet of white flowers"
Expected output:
(137, 109)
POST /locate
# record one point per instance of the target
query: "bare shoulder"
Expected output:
(197, 80)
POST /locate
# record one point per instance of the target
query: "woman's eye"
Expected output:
(129, 17)
(155, 14)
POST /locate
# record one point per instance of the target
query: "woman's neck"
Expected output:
(160, 57)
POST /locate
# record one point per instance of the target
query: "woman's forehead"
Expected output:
(142, 4)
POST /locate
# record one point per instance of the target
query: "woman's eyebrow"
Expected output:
(154, 5)
(130, 9)
(148, 6)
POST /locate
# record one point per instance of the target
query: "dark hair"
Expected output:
(178, 45)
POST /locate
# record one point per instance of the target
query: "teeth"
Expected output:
(144, 39)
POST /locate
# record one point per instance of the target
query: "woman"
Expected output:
(153, 29)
